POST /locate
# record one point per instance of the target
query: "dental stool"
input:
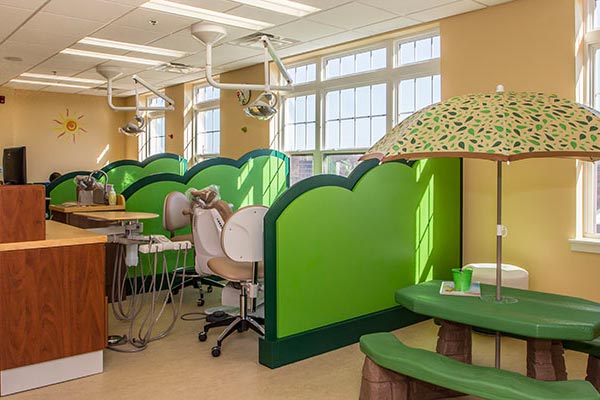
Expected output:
(512, 276)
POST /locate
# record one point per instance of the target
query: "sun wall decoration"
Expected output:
(69, 126)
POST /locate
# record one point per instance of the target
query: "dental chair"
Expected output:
(177, 215)
(241, 246)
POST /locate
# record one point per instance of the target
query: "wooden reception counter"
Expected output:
(52, 308)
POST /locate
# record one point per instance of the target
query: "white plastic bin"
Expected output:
(512, 276)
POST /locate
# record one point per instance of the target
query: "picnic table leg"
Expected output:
(454, 341)
(545, 360)
(593, 371)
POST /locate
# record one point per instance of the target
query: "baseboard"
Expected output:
(279, 352)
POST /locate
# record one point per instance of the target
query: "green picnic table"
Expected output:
(544, 319)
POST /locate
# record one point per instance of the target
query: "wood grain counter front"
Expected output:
(52, 305)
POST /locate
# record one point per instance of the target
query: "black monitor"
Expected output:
(14, 166)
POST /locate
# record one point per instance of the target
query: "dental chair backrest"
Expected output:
(207, 225)
(242, 238)
(173, 212)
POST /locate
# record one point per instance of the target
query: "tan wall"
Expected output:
(525, 45)
(174, 120)
(29, 119)
(234, 141)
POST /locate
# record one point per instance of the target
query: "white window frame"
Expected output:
(200, 107)
(586, 239)
(144, 138)
(391, 76)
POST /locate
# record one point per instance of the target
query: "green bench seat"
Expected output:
(385, 350)
(591, 347)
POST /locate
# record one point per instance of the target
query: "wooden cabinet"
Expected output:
(22, 213)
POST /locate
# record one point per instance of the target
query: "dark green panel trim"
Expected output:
(62, 178)
(270, 236)
(142, 164)
(276, 353)
(137, 185)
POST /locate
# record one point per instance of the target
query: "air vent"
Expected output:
(253, 40)
(178, 68)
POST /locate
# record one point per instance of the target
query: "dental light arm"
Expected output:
(210, 34)
(111, 72)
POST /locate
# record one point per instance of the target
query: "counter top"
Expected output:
(57, 235)
(68, 209)
(114, 216)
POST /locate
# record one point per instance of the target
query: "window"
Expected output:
(588, 184)
(153, 140)
(352, 99)
(205, 140)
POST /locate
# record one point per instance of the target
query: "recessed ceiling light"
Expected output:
(62, 78)
(282, 6)
(114, 57)
(49, 84)
(132, 47)
(12, 58)
(208, 15)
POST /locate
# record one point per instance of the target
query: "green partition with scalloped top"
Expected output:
(336, 249)
(258, 177)
(121, 174)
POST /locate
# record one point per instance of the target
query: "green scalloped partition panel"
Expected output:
(337, 249)
(258, 180)
(121, 174)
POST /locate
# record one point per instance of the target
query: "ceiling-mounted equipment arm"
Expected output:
(210, 34)
(110, 73)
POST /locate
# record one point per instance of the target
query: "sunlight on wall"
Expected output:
(424, 230)
(102, 154)
(274, 179)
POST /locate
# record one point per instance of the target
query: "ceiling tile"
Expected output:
(351, 16)
(214, 5)
(54, 41)
(47, 22)
(66, 61)
(260, 14)
(492, 2)
(304, 30)
(30, 53)
(133, 3)
(338, 38)
(11, 19)
(405, 7)
(166, 23)
(182, 41)
(197, 60)
(388, 26)
(325, 4)
(131, 35)
(94, 10)
(447, 10)
(24, 4)
(227, 53)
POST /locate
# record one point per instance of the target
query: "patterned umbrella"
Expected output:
(500, 126)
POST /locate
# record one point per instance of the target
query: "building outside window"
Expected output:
(152, 141)
(343, 103)
(205, 140)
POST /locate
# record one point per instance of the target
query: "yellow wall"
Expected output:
(29, 119)
(174, 120)
(234, 141)
(525, 45)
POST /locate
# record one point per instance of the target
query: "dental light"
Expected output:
(135, 126)
(264, 106)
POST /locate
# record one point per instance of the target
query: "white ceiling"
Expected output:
(37, 30)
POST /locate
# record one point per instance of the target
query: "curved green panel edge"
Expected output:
(259, 177)
(120, 173)
(338, 248)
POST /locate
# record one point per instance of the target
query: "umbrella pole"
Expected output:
(498, 250)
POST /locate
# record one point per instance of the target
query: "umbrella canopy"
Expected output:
(501, 126)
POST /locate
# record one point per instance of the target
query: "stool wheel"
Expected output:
(202, 336)
(216, 351)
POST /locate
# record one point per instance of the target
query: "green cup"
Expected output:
(462, 279)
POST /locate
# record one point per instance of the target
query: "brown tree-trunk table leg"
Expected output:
(593, 371)
(454, 341)
(545, 360)
(379, 383)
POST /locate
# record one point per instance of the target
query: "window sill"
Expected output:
(585, 245)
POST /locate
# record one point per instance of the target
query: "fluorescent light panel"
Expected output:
(49, 84)
(282, 6)
(114, 57)
(132, 47)
(207, 15)
(62, 78)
